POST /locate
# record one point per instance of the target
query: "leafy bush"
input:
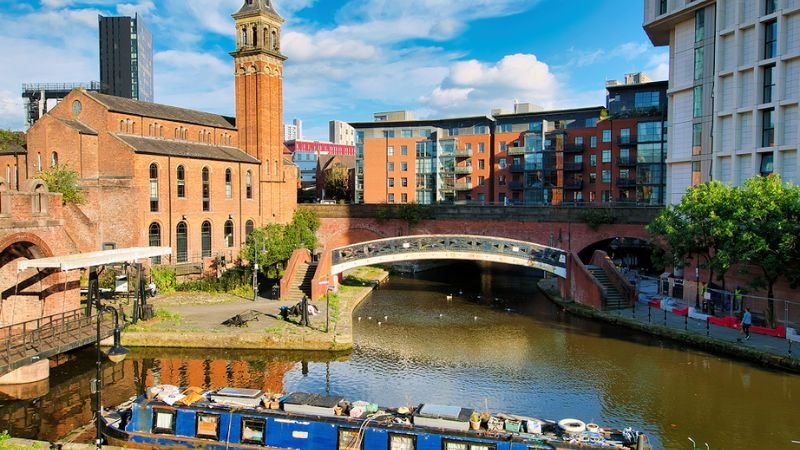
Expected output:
(232, 280)
(164, 278)
(596, 217)
(64, 180)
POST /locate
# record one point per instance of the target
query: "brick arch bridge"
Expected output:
(563, 228)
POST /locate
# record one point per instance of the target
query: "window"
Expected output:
(390, 166)
(228, 233)
(53, 159)
(404, 166)
(503, 146)
(766, 164)
(404, 182)
(645, 100)
(592, 160)
(39, 162)
(181, 174)
(207, 426)
(697, 109)
(404, 150)
(625, 174)
(578, 159)
(481, 180)
(390, 198)
(406, 133)
(769, 6)
(468, 147)
(593, 142)
(388, 133)
(163, 421)
(662, 7)
(205, 239)
(699, 55)
(697, 139)
(770, 39)
(391, 182)
(228, 183)
(501, 180)
(206, 190)
(452, 132)
(481, 147)
(535, 126)
(606, 176)
(606, 156)
(182, 253)
(578, 141)
(699, 25)
(504, 128)
(253, 431)
(769, 82)
(154, 235)
(605, 196)
(625, 136)
(606, 135)
(590, 122)
(404, 198)
(349, 439)
(501, 163)
(248, 184)
(402, 442)
(480, 129)
(592, 178)
(153, 188)
(481, 164)
(768, 128)
(390, 150)
(449, 444)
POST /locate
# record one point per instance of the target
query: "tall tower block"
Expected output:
(259, 103)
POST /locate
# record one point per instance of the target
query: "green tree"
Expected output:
(64, 180)
(272, 246)
(769, 232)
(337, 182)
(8, 137)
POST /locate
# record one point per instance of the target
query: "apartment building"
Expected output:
(733, 91)
(530, 156)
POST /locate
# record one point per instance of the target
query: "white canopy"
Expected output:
(83, 260)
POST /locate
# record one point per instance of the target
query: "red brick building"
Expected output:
(161, 175)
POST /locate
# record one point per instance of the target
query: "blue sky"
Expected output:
(348, 59)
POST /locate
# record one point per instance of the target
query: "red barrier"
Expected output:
(655, 302)
(681, 311)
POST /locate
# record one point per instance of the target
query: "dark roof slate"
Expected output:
(81, 128)
(12, 149)
(255, 7)
(158, 111)
(183, 149)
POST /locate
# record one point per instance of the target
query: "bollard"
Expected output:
(665, 317)
(649, 312)
(686, 322)
(633, 312)
(790, 348)
(708, 322)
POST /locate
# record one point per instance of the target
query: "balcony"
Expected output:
(626, 182)
(626, 162)
(573, 185)
(623, 141)
(515, 185)
(447, 188)
(463, 170)
(463, 186)
(574, 148)
(515, 150)
(516, 168)
(463, 153)
(573, 167)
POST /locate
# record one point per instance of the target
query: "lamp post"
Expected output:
(116, 354)
(697, 288)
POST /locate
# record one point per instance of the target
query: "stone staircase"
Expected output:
(301, 283)
(614, 299)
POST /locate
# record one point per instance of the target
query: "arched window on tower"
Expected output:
(275, 43)
(54, 159)
(153, 187)
(39, 162)
(248, 185)
(244, 37)
(255, 36)
(155, 240)
(248, 228)
(205, 239)
(182, 254)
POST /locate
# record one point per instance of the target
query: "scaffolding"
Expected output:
(36, 96)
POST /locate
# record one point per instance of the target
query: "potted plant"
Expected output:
(475, 420)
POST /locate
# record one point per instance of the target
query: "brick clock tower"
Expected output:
(259, 105)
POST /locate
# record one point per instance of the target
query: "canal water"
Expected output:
(497, 344)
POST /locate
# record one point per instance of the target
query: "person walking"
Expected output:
(747, 320)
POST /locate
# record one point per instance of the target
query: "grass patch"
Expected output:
(167, 316)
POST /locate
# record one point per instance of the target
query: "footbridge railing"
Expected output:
(27, 342)
(465, 247)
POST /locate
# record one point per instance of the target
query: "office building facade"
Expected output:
(126, 58)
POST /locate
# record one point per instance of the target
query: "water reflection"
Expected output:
(508, 350)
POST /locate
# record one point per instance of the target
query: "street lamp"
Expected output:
(697, 288)
(116, 354)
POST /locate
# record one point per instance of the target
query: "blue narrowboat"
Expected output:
(231, 418)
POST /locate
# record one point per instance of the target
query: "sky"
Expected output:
(349, 59)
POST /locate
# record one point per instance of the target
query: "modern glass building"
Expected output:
(126, 58)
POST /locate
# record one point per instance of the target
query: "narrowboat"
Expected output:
(232, 418)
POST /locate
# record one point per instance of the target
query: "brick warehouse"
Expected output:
(161, 175)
